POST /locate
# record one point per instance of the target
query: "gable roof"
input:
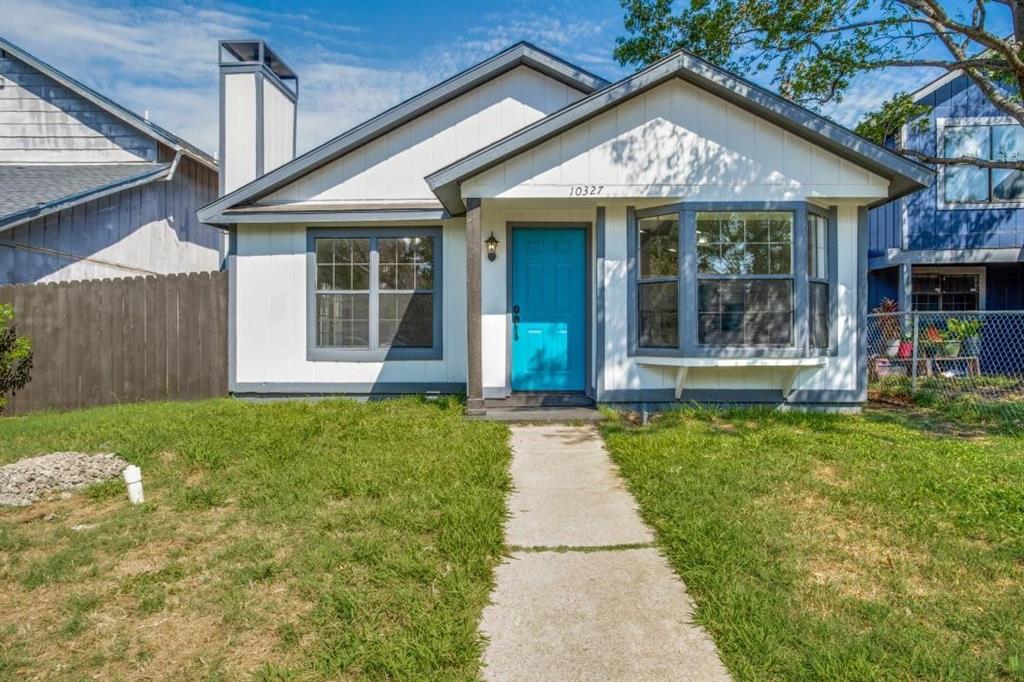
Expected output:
(903, 174)
(110, 106)
(520, 54)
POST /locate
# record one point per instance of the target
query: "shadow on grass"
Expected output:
(740, 422)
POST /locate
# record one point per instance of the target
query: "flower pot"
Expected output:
(951, 349)
(892, 348)
(906, 350)
(972, 346)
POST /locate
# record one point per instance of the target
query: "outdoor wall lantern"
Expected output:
(492, 247)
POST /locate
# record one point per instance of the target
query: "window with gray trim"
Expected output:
(376, 292)
(745, 278)
(658, 282)
(819, 286)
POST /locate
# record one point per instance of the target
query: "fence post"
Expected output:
(913, 361)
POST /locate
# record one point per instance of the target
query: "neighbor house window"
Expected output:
(658, 281)
(377, 292)
(935, 291)
(818, 280)
(744, 278)
(965, 184)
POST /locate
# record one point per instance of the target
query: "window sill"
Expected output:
(391, 355)
(683, 366)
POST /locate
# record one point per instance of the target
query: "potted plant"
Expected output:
(905, 348)
(889, 325)
(968, 332)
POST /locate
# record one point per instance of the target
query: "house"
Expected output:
(89, 189)
(525, 230)
(959, 244)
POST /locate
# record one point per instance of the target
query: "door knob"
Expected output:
(515, 322)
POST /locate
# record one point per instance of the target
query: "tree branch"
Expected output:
(961, 160)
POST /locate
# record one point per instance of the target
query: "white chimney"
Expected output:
(258, 104)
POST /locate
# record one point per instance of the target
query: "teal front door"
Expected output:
(549, 309)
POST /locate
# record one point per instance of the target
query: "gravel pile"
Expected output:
(27, 480)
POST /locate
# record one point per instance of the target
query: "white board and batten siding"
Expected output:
(392, 167)
(278, 127)
(677, 140)
(43, 122)
(269, 281)
(239, 162)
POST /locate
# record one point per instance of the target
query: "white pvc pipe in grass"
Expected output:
(133, 479)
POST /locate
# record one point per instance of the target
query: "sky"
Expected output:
(354, 58)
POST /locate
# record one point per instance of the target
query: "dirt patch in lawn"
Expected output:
(174, 605)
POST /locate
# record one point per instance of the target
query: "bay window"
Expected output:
(712, 280)
(375, 294)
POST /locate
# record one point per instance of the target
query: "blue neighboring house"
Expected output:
(959, 244)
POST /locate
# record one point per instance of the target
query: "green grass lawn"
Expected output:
(829, 547)
(278, 541)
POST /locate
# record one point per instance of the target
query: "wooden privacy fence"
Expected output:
(122, 340)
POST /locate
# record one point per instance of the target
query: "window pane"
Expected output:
(659, 247)
(818, 318)
(965, 184)
(753, 243)
(658, 315)
(343, 320)
(936, 291)
(342, 264)
(402, 262)
(966, 141)
(817, 247)
(745, 312)
(1007, 185)
(406, 320)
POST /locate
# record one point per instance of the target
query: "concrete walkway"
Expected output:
(585, 596)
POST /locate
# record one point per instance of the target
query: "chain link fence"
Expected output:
(969, 364)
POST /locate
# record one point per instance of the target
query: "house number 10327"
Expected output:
(585, 190)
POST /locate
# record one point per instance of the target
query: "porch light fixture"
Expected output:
(492, 247)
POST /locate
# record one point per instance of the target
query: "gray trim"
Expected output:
(354, 216)
(521, 54)
(588, 301)
(374, 354)
(903, 174)
(261, 134)
(152, 172)
(863, 239)
(474, 311)
(599, 343)
(292, 95)
(894, 257)
(328, 388)
(111, 107)
(222, 129)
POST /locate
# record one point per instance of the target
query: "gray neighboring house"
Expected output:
(89, 189)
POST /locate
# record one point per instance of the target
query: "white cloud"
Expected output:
(162, 58)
